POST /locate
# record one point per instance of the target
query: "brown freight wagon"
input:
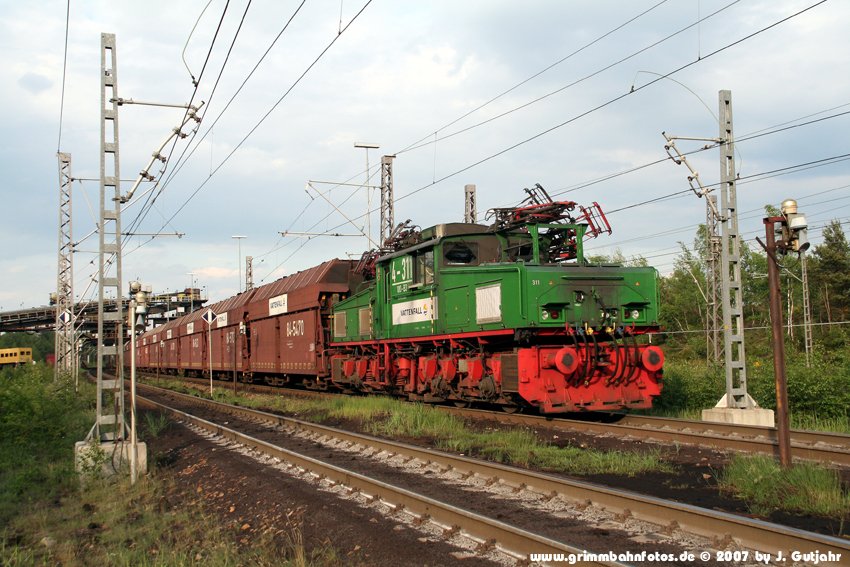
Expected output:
(278, 332)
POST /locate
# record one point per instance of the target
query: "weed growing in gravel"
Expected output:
(805, 487)
(155, 423)
(416, 420)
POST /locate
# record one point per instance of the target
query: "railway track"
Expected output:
(724, 530)
(824, 447)
(485, 531)
(817, 446)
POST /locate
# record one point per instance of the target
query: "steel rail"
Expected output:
(810, 445)
(486, 531)
(801, 436)
(712, 524)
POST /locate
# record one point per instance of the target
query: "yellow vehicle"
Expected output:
(15, 356)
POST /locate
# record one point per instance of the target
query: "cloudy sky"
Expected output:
(496, 93)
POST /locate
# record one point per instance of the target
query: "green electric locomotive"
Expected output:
(510, 314)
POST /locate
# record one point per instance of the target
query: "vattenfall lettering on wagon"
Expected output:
(278, 305)
(413, 311)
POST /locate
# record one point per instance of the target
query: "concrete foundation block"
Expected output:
(108, 458)
(738, 416)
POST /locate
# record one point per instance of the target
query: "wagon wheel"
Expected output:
(511, 408)
(462, 404)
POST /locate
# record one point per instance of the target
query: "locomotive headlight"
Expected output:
(544, 315)
(635, 313)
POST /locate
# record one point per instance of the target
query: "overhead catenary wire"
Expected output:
(273, 107)
(182, 161)
(534, 76)
(576, 82)
(742, 180)
(746, 137)
(601, 106)
(268, 113)
(209, 100)
(692, 226)
(189, 38)
(149, 200)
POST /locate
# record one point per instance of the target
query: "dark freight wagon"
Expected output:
(272, 332)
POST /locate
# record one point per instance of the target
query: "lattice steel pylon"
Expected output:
(249, 273)
(387, 201)
(470, 212)
(65, 345)
(714, 293)
(730, 266)
(109, 424)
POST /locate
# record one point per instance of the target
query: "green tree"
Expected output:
(683, 303)
(830, 275)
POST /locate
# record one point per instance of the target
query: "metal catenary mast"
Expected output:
(109, 420)
(65, 344)
(731, 290)
(730, 266)
(387, 202)
(470, 214)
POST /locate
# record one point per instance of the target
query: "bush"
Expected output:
(690, 386)
(823, 389)
(39, 423)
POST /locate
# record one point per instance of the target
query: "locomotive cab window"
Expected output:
(471, 251)
(424, 271)
(460, 253)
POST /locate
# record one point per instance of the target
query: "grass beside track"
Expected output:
(49, 517)
(388, 417)
(804, 487)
